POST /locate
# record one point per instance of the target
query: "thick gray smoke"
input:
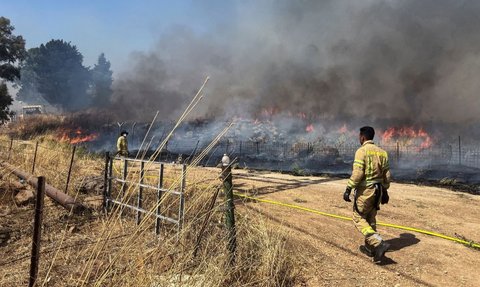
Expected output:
(407, 62)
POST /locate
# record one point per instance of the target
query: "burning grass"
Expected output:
(73, 129)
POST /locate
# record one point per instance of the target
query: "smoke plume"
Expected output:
(405, 62)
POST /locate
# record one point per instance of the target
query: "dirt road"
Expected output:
(329, 246)
(325, 249)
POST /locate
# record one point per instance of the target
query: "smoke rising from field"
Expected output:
(406, 62)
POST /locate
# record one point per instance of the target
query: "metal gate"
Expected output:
(132, 176)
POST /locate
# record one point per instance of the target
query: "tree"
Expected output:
(56, 71)
(12, 50)
(101, 82)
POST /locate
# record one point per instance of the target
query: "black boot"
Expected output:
(380, 251)
(365, 249)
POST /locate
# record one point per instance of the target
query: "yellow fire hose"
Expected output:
(431, 233)
(468, 243)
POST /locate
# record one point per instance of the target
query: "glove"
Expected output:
(346, 195)
(385, 197)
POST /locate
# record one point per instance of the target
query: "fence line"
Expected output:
(26, 155)
(400, 154)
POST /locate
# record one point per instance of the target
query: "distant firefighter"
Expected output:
(370, 179)
(122, 144)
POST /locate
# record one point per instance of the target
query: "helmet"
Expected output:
(225, 160)
(124, 133)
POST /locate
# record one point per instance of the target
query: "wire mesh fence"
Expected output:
(283, 155)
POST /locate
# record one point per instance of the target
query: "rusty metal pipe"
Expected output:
(61, 198)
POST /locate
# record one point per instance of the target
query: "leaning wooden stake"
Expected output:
(70, 169)
(34, 157)
(37, 230)
(205, 222)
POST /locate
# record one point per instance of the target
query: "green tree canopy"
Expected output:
(101, 82)
(55, 71)
(12, 50)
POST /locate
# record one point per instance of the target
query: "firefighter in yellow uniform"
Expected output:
(370, 179)
(122, 144)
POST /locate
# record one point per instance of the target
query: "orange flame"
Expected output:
(343, 129)
(77, 136)
(408, 136)
(309, 128)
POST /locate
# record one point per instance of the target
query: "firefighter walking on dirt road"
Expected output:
(122, 144)
(370, 179)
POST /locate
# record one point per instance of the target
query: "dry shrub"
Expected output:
(39, 125)
(32, 126)
(110, 250)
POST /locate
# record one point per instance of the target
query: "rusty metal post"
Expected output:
(140, 192)
(34, 157)
(70, 168)
(182, 198)
(10, 149)
(37, 230)
(159, 199)
(105, 181)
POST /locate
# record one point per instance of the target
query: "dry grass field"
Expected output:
(277, 246)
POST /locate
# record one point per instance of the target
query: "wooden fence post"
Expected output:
(70, 169)
(37, 230)
(10, 149)
(226, 176)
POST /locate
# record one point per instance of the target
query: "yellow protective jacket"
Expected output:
(369, 167)
(122, 146)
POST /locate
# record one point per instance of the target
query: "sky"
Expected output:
(418, 60)
(114, 27)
